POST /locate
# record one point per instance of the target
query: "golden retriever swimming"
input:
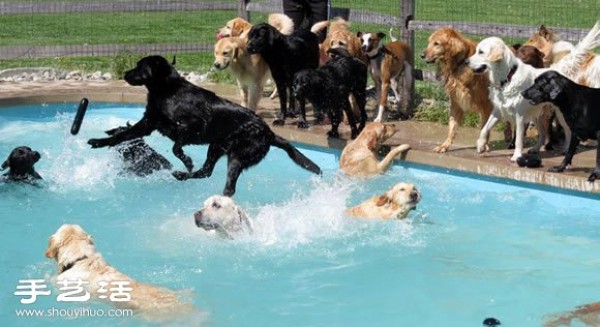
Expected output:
(250, 70)
(77, 258)
(449, 49)
(396, 203)
(358, 157)
(223, 215)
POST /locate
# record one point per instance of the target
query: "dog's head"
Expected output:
(68, 245)
(374, 134)
(220, 213)
(227, 50)
(490, 54)
(530, 55)
(20, 161)
(340, 36)
(446, 45)
(304, 82)
(152, 72)
(543, 39)
(401, 198)
(546, 88)
(370, 43)
(261, 38)
(234, 27)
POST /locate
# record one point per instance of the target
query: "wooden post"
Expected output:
(407, 13)
(241, 9)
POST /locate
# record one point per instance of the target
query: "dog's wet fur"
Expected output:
(188, 114)
(20, 162)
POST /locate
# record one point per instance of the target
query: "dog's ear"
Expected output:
(52, 250)
(383, 200)
(547, 34)
(496, 53)
(128, 124)
(236, 52)
(359, 34)
(174, 62)
(380, 35)
(5, 164)
(556, 89)
(245, 219)
(458, 50)
(111, 131)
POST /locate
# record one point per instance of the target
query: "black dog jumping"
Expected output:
(138, 156)
(21, 161)
(286, 55)
(329, 86)
(188, 114)
(579, 106)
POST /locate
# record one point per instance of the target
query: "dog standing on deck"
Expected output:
(20, 162)
(448, 50)
(189, 114)
(286, 55)
(387, 64)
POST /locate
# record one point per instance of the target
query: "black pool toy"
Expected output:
(491, 322)
(83, 104)
(529, 160)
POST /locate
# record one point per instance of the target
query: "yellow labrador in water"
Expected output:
(393, 204)
(221, 214)
(77, 258)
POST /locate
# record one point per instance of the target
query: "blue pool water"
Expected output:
(472, 249)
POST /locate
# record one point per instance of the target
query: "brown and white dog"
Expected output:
(448, 49)
(78, 260)
(250, 70)
(396, 203)
(387, 64)
(358, 158)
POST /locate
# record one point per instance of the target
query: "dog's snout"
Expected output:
(423, 55)
(198, 218)
(414, 196)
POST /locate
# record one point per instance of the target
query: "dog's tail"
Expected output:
(570, 64)
(282, 23)
(296, 155)
(319, 26)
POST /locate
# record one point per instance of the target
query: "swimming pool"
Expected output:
(473, 248)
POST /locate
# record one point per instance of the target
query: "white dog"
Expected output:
(396, 203)
(221, 214)
(509, 76)
(77, 258)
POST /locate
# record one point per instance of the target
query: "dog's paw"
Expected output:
(279, 122)
(515, 157)
(98, 143)
(441, 149)
(181, 175)
(334, 134)
(482, 146)
(302, 124)
(377, 119)
(594, 176)
(556, 169)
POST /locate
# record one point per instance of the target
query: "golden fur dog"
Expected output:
(77, 258)
(387, 63)
(358, 157)
(339, 35)
(449, 49)
(555, 49)
(240, 27)
(588, 314)
(250, 70)
(396, 203)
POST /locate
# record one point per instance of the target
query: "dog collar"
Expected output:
(511, 73)
(377, 55)
(71, 264)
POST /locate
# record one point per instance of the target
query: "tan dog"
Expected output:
(555, 50)
(387, 63)
(358, 157)
(396, 203)
(240, 27)
(449, 49)
(250, 70)
(588, 314)
(77, 258)
(339, 35)
(222, 215)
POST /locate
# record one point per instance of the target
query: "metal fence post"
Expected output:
(241, 9)
(407, 13)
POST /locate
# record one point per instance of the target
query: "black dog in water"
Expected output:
(139, 157)
(21, 161)
(579, 106)
(188, 114)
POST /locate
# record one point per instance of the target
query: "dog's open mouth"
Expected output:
(479, 69)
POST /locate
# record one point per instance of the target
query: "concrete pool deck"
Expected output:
(422, 136)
